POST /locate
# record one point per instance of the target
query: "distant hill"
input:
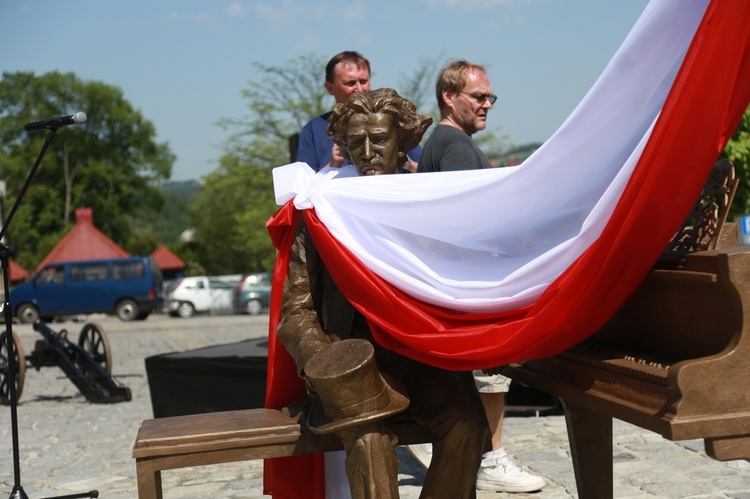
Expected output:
(179, 198)
(174, 219)
(516, 155)
(182, 188)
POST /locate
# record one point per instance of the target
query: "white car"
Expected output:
(200, 294)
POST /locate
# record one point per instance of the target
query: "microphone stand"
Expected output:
(6, 252)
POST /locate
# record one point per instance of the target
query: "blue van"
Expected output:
(128, 287)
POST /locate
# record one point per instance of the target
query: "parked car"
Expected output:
(233, 279)
(253, 294)
(199, 294)
(128, 287)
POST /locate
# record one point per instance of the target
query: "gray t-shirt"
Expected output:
(449, 148)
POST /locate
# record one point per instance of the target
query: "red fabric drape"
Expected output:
(710, 93)
(296, 476)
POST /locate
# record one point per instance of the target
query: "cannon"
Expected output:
(87, 363)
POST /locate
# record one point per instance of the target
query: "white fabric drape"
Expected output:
(493, 240)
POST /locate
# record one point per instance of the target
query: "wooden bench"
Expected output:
(231, 436)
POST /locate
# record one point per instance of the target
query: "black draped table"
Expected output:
(218, 378)
(233, 376)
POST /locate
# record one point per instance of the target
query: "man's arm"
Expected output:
(315, 146)
(306, 150)
(299, 329)
(415, 154)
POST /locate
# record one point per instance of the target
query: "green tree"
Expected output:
(112, 164)
(230, 215)
(285, 98)
(738, 152)
(141, 242)
(174, 218)
(237, 198)
(419, 86)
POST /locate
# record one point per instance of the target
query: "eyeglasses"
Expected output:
(481, 98)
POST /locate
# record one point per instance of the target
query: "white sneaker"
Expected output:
(423, 453)
(497, 472)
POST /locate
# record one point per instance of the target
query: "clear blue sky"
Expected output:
(184, 63)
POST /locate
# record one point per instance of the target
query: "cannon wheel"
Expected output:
(94, 341)
(5, 368)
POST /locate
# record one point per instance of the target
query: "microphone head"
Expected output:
(79, 118)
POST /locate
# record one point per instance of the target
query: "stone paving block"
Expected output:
(69, 445)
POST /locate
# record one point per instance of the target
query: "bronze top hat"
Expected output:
(350, 388)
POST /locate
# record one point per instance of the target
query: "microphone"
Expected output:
(74, 119)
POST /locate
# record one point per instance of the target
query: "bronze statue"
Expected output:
(389, 121)
(357, 383)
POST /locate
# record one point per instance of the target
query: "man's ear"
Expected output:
(448, 98)
(329, 87)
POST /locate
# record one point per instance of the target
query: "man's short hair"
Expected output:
(453, 78)
(347, 57)
(410, 125)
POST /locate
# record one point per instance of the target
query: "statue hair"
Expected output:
(410, 125)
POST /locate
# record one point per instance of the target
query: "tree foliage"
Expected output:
(284, 99)
(111, 164)
(738, 152)
(231, 213)
(419, 86)
(174, 218)
(237, 198)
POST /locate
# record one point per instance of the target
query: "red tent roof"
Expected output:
(84, 242)
(166, 260)
(17, 273)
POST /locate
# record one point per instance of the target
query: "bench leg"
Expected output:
(590, 436)
(149, 482)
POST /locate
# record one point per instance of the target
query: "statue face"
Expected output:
(372, 143)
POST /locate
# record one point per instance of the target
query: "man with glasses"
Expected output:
(464, 97)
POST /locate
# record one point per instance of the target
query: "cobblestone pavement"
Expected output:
(69, 446)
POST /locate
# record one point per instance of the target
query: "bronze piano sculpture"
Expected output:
(673, 360)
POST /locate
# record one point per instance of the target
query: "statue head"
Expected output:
(374, 130)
